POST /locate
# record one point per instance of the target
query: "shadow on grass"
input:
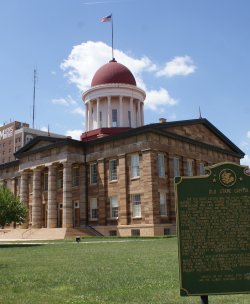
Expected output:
(19, 245)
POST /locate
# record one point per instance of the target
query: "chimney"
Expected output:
(162, 120)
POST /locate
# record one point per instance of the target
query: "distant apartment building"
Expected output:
(14, 136)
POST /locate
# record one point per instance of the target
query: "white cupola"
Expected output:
(114, 100)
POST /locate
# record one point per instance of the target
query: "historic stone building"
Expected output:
(119, 178)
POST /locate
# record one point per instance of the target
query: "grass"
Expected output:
(95, 271)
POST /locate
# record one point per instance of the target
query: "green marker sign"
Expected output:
(213, 218)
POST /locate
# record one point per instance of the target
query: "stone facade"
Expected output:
(120, 184)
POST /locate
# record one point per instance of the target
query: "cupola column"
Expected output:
(142, 113)
(120, 112)
(132, 112)
(109, 112)
(97, 112)
(87, 116)
(139, 113)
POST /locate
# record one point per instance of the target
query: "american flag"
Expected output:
(106, 19)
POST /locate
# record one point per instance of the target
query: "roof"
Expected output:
(159, 128)
(113, 72)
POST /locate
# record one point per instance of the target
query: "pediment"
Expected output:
(203, 131)
(37, 144)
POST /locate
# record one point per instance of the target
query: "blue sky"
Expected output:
(185, 54)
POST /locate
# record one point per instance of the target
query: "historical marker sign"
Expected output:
(213, 214)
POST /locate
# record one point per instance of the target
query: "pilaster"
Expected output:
(102, 199)
(82, 195)
(122, 179)
(150, 203)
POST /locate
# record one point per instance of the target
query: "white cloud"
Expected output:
(248, 134)
(45, 129)
(178, 66)
(246, 161)
(86, 58)
(78, 110)
(159, 98)
(75, 134)
(67, 102)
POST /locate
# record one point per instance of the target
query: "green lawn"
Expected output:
(117, 272)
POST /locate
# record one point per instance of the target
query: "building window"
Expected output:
(45, 181)
(166, 231)
(75, 176)
(28, 138)
(113, 170)
(93, 173)
(114, 117)
(202, 169)
(163, 203)
(59, 179)
(135, 165)
(129, 119)
(189, 167)
(161, 165)
(93, 209)
(136, 205)
(176, 167)
(114, 207)
(135, 232)
(112, 232)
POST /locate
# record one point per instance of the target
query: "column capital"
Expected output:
(66, 164)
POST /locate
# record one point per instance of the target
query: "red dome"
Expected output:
(113, 72)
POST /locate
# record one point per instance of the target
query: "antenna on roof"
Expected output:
(200, 117)
(34, 97)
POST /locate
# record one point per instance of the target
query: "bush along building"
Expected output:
(118, 178)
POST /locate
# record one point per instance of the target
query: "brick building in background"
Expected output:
(14, 136)
(119, 179)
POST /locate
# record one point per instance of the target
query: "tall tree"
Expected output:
(12, 208)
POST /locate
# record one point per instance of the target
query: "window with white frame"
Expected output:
(189, 167)
(163, 203)
(114, 206)
(93, 173)
(45, 181)
(93, 208)
(135, 165)
(176, 167)
(136, 205)
(113, 170)
(114, 118)
(161, 165)
(59, 179)
(202, 169)
(75, 176)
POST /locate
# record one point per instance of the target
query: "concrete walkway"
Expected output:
(45, 234)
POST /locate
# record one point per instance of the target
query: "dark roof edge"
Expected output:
(55, 141)
(158, 126)
(9, 164)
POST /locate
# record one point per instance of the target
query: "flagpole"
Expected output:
(112, 37)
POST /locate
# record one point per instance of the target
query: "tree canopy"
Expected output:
(12, 209)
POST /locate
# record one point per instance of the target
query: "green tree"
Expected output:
(12, 208)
